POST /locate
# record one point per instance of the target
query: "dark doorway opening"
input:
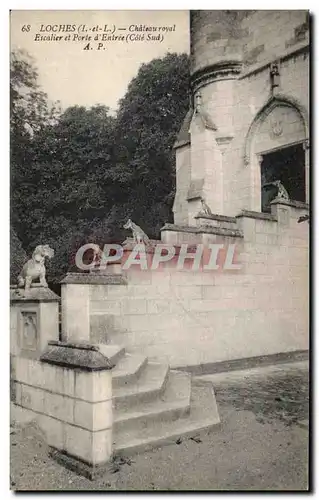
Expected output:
(288, 166)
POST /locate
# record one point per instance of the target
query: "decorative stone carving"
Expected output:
(220, 71)
(35, 269)
(274, 76)
(276, 127)
(29, 330)
(282, 193)
(306, 144)
(139, 235)
(198, 100)
(205, 208)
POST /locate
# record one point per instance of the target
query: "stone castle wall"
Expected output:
(188, 318)
(231, 54)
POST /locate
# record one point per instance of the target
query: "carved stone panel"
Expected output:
(29, 330)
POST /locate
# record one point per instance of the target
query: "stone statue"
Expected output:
(35, 269)
(282, 192)
(205, 208)
(138, 234)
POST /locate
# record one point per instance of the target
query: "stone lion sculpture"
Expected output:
(35, 269)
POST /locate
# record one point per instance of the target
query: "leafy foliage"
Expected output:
(77, 175)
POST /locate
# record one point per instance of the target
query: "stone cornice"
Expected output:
(225, 70)
(298, 49)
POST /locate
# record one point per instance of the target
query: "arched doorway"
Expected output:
(275, 150)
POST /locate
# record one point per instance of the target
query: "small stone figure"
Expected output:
(138, 233)
(282, 192)
(274, 76)
(35, 269)
(304, 218)
(205, 208)
(198, 100)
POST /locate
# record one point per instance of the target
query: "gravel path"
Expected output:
(261, 444)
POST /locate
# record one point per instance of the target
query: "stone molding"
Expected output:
(223, 70)
(93, 279)
(33, 294)
(236, 233)
(290, 203)
(256, 215)
(76, 355)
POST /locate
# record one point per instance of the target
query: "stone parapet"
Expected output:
(69, 390)
(34, 320)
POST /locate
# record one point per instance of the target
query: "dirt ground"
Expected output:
(262, 444)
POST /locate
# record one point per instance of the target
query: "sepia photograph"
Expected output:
(160, 180)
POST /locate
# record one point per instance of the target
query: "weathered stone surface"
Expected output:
(82, 356)
(203, 230)
(93, 279)
(256, 215)
(33, 294)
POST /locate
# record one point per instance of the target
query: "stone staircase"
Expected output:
(154, 405)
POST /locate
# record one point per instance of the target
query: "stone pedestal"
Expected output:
(34, 320)
(75, 293)
(69, 393)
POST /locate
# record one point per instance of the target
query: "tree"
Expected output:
(149, 118)
(18, 257)
(29, 114)
(77, 175)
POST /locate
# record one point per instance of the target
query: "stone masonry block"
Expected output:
(91, 447)
(93, 386)
(93, 416)
(134, 306)
(52, 378)
(161, 306)
(78, 442)
(53, 430)
(101, 446)
(60, 407)
(106, 306)
(188, 292)
(211, 292)
(32, 398)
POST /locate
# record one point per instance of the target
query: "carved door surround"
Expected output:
(281, 122)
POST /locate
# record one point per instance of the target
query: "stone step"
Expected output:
(172, 404)
(113, 352)
(147, 387)
(239, 377)
(128, 369)
(203, 416)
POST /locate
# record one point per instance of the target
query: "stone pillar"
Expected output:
(75, 308)
(34, 320)
(69, 393)
(76, 294)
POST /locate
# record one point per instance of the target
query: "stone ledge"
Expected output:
(223, 218)
(33, 294)
(256, 215)
(85, 357)
(93, 279)
(290, 203)
(236, 233)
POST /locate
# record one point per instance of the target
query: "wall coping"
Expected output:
(257, 215)
(82, 356)
(299, 48)
(33, 294)
(93, 279)
(290, 203)
(236, 233)
(224, 218)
